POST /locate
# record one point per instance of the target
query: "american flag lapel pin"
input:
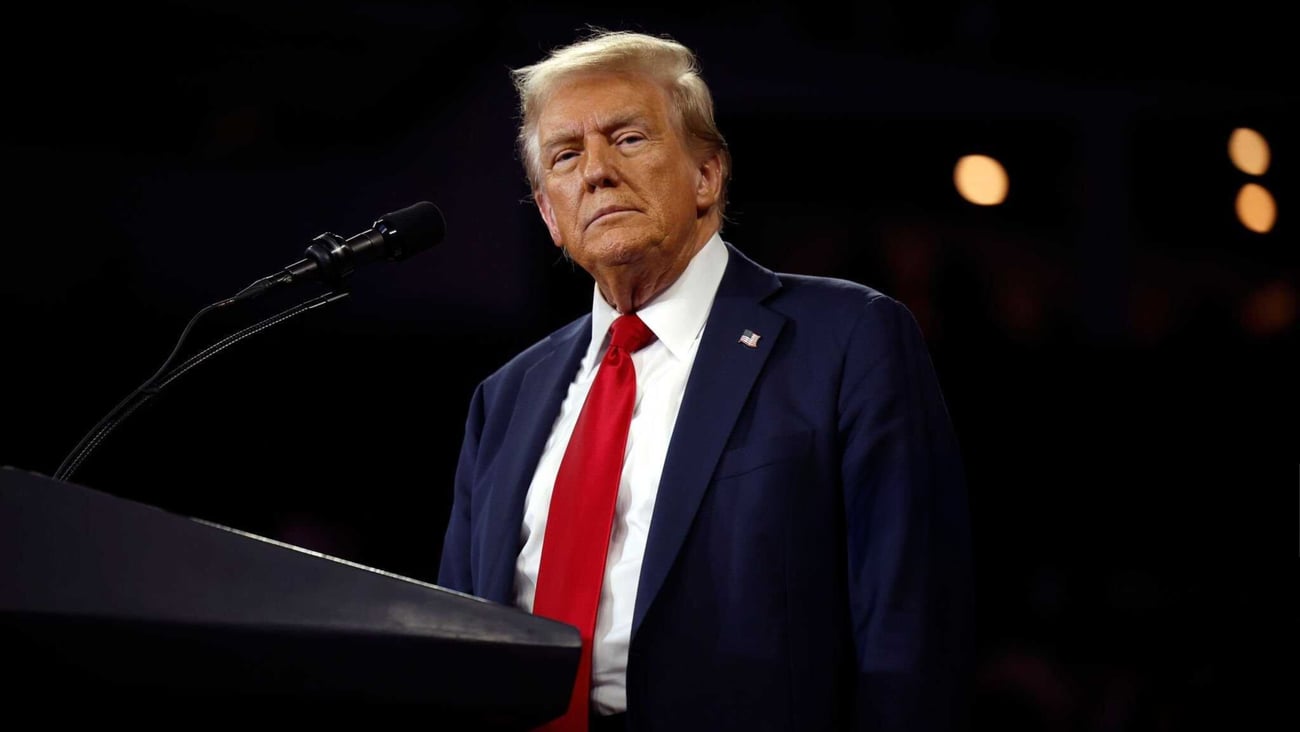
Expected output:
(749, 338)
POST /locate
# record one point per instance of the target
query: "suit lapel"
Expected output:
(720, 381)
(541, 394)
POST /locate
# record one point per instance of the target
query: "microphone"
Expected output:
(393, 236)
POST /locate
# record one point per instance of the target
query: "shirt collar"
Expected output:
(678, 314)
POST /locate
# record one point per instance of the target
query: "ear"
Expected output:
(548, 215)
(708, 183)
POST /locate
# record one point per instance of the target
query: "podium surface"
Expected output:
(117, 603)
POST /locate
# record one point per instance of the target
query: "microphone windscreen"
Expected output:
(412, 229)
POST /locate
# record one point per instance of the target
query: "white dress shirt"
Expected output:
(677, 317)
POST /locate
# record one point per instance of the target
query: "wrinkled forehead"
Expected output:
(601, 98)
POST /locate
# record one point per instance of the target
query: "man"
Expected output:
(787, 545)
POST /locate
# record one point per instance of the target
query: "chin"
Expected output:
(617, 248)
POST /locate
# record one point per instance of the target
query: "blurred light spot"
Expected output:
(1248, 150)
(981, 180)
(1255, 208)
(1269, 310)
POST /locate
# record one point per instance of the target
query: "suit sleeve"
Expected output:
(454, 567)
(908, 535)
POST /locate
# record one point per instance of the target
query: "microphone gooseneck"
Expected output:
(330, 258)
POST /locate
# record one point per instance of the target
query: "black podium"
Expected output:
(115, 609)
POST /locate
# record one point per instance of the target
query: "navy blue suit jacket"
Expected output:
(808, 562)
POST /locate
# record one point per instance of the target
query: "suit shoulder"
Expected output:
(813, 299)
(830, 295)
(844, 312)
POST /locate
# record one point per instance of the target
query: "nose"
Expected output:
(600, 169)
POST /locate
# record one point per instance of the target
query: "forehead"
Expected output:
(593, 100)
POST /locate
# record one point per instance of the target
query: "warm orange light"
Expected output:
(1248, 150)
(1269, 310)
(981, 180)
(1255, 208)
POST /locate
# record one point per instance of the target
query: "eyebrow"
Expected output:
(616, 121)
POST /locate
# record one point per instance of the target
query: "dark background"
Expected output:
(1116, 349)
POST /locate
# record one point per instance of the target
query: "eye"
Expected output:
(562, 158)
(631, 138)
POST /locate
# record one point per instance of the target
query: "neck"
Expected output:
(632, 286)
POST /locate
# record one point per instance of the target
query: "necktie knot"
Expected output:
(630, 334)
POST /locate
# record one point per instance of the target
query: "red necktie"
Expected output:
(582, 507)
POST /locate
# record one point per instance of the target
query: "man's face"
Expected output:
(620, 186)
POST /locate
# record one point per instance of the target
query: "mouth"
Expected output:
(608, 211)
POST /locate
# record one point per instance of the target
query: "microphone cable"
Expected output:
(162, 377)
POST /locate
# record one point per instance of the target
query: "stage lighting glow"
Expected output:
(1255, 208)
(1248, 150)
(981, 180)
(1269, 310)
